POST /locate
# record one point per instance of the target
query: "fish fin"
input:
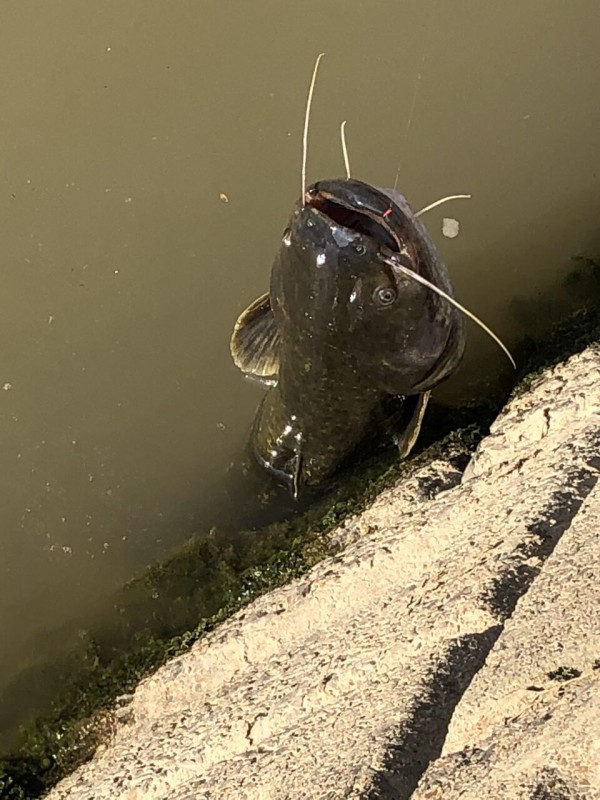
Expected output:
(255, 342)
(416, 406)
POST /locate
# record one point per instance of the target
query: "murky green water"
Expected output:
(124, 267)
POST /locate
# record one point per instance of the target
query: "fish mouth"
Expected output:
(361, 221)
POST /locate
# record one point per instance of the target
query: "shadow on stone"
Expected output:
(425, 732)
(547, 532)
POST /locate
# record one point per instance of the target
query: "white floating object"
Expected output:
(450, 227)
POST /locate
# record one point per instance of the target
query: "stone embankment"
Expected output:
(451, 650)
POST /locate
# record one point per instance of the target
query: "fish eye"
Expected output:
(360, 249)
(385, 295)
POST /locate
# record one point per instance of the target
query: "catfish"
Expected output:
(360, 312)
(344, 327)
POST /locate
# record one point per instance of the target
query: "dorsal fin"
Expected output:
(255, 342)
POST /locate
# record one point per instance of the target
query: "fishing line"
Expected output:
(306, 120)
(415, 95)
(345, 149)
(409, 272)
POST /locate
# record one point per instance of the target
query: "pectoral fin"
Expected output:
(255, 342)
(416, 406)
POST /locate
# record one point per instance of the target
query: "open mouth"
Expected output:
(359, 221)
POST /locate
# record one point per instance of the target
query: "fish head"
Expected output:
(316, 267)
(340, 279)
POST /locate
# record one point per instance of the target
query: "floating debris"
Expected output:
(450, 227)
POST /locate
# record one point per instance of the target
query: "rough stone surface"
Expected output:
(528, 726)
(452, 650)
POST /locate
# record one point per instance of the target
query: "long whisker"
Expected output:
(345, 149)
(443, 200)
(394, 264)
(306, 120)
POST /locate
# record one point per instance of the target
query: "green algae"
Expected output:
(174, 603)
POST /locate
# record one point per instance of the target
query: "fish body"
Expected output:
(343, 328)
